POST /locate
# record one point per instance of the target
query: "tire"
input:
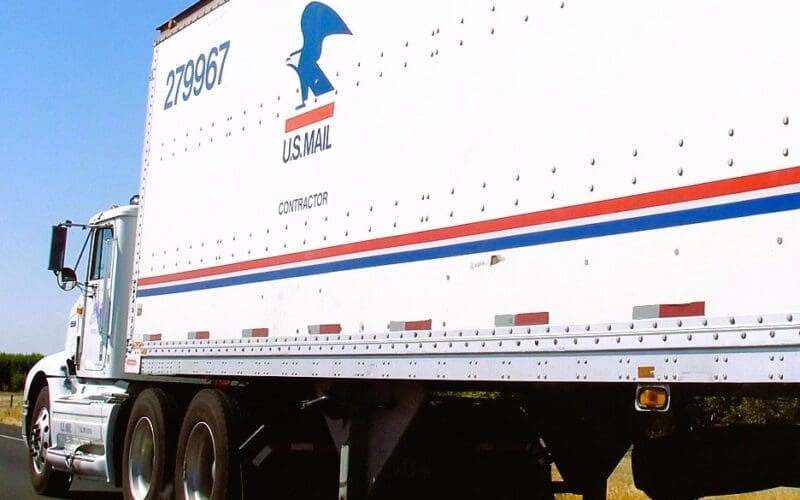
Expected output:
(44, 479)
(207, 465)
(149, 450)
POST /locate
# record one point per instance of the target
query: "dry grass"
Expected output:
(620, 486)
(10, 408)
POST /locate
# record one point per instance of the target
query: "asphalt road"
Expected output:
(14, 482)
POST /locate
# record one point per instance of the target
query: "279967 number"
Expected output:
(196, 74)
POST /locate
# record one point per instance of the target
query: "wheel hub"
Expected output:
(141, 458)
(40, 439)
(200, 463)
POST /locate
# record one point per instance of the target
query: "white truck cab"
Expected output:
(71, 426)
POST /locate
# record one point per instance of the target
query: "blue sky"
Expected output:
(73, 93)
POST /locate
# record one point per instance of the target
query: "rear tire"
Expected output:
(206, 464)
(149, 451)
(44, 479)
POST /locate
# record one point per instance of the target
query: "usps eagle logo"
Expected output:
(317, 23)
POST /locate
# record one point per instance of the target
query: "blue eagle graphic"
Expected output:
(317, 22)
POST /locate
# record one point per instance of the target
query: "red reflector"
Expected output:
(255, 332)
(425, 324)
(328, 329)
(152, 337)
(678, 310)
(537, 318)
(199, 335)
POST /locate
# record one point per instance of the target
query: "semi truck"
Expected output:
(383, 249)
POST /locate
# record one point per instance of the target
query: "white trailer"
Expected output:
(433, 249)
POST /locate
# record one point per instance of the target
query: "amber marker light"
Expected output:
(652, 398)
(79, 310)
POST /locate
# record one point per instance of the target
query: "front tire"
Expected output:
(207, 466)
(150, 447)
(44, 479)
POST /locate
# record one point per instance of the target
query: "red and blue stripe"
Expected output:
(484, 236)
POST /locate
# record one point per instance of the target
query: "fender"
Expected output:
(52, 370)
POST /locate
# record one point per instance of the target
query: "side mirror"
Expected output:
(67, 279)
(58, 247)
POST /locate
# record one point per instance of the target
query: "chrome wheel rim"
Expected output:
(40, 440)
(141, 458)
(199, 463)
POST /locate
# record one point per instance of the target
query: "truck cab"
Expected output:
(73, 397)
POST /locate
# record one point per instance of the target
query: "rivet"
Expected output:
(743, 335)
(772, 334)
(677, 251)
(553, 170)
(732, 320)
(591, 188)
(491, 32)
(585, 262)
(730, 162)
(552, 195)
(635, 152)
(688, 337)
(785, 152)
(680, 143)
(633, 180)
(730, 132)
(780, 240)
(786, 120)
(526, 19)
(716, 336)
(483, 208)
(680, 170)
(517, 178)
(591, 162)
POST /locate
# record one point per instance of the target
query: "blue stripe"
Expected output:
(773, 204)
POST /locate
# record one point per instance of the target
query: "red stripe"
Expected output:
(678, 310)
(309, 117)
(537, 318)
(424, 324)
(659, 198)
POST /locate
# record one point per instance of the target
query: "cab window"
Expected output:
(101, 254)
